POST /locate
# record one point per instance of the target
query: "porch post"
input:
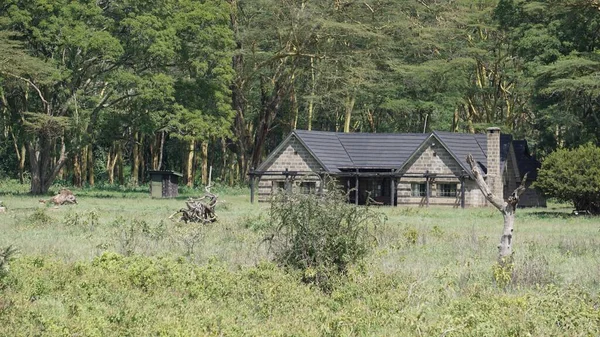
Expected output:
(392, 191)
(287, 181)
(356, 190)
(252, 186)
(427, 188)
(462, 191)
(322, 178)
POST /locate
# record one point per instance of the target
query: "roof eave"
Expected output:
(323, 166)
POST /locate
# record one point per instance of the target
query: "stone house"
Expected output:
(400, 169)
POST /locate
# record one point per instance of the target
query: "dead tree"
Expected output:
(506, 207)
(64, 197)
(199, 209)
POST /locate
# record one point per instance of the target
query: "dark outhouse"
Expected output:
(163, 184)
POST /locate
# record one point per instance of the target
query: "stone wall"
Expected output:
(437, 160)
(294, 157)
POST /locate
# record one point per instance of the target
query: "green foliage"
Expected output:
(69, 281)
(321, 235)
(502, 272)
(573, 175)
(88, 220)
(118, 295)
(6, 256)
(40, 217)
(411, 235)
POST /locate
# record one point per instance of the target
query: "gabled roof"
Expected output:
(337, 151)
(325, 147)
(462, 144)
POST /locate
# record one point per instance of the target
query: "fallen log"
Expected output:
(64, 197)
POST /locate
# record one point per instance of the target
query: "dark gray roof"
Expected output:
(326, 147)
(380, 150)
(338, 151)
(461, 144)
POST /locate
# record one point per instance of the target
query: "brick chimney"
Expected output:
(494, 176)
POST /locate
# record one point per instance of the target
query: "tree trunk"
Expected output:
(348, 112)
(507, 208)
(294, 103)
(121, 173)
(135, 160)
(311, 100)
(112, 157)
(76, 170)
(271, 103)
(204, 162)
(21, 152)
(141, 161)
(22, 156)
(189, 176)
(90, 165)
(43, 172)
(84, 162)
(156, 150)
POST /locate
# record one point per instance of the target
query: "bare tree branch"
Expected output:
(30, 83)
(497, 201)
(507, 208)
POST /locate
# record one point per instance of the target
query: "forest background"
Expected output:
(103, 91)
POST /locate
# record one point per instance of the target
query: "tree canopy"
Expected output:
(111, 89)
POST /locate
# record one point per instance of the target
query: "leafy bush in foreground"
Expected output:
(573, 175)
(320, 234)
(115, 295)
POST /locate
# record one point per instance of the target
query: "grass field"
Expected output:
(115, 265)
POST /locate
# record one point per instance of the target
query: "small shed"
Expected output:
(164, 184)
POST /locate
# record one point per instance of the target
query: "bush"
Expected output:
(6, 256)
(573, 175)
(320, 235)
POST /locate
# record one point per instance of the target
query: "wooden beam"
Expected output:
(392, 191)
(462, 192)
(356, 189)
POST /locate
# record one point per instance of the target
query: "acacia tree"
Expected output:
(557, 42)
(110, 59)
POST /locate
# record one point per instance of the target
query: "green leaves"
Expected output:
(573, 175)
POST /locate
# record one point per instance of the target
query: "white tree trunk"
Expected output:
(507, 208)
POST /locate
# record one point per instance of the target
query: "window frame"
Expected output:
(451, 192)
(422, 190)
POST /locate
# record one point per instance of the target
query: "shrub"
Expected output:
(6, 255)
(573, 175)
(320, 235)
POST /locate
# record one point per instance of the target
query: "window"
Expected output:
(418, 190)
(376, 188)
(279, 186)
(446, 190)
(308, 187)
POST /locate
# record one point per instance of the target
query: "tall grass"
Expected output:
(116, 265)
